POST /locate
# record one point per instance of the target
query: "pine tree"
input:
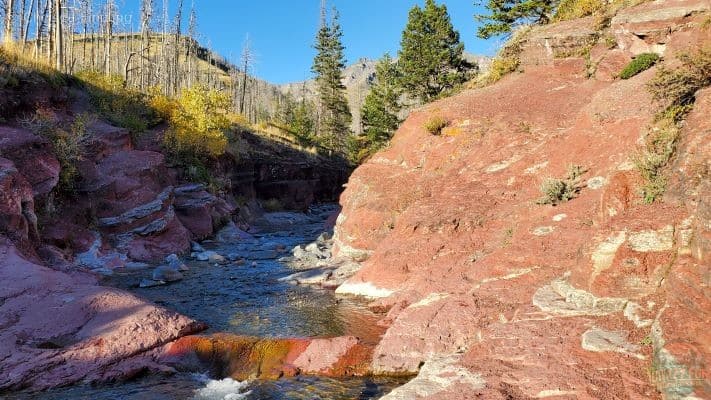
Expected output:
(431, 55)
(334, 114)
(381, 108)
(505, 14)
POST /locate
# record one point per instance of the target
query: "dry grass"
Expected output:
(556, 191)
(660, 146)
(435, 124)
(675, 90)
(678, 86)
(17, 67)
(573, 9)
(506, 61)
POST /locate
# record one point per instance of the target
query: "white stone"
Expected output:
(437, 375)
(653, 241)
(632, 311)
(556, 393)
(543, 230)
(430, 299)
(365, 289)
(597, 182)
(559, 217)
(605, 253)
(561, 298)
(535, 168)
(600, 340)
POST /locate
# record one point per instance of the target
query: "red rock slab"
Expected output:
(245, 358)
(59, 329)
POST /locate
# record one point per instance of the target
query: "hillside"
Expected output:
(494, 294)
(203, 65)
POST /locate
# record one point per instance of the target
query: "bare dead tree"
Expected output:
(191, 47)
(58, 35)
(147, 7)
(108, 35)
(246, 61)
(177, 44)
(9, 21)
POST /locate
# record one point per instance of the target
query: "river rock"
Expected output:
(149, 283)
(167, 273)
(176, 263)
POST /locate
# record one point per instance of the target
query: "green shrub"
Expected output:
(640, 63)
(435, 124)
(556, 191)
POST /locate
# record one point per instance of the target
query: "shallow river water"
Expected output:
(250, 299)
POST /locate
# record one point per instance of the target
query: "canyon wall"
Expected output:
(493, 295)
(125, 205)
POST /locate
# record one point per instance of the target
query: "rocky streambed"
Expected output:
(243, 284)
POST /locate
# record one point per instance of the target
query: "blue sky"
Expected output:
(282, 31)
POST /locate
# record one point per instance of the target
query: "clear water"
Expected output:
(250, 300)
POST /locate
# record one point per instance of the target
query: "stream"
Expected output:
(249, 299)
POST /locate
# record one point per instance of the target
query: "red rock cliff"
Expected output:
(495, 296)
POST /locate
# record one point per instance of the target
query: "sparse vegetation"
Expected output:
(640, 63)
(435, 125)
(572, 9)
(556, 191)
(67, 141)
(16, 67)
(119, 104)
(660, 146)
(675, 90)
(706, 23)
(506, 61)
(678, 86)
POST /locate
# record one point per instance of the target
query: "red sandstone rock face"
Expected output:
(59, 329)
(32, 156)
(16, 200)
(200, 211)
(503, 298)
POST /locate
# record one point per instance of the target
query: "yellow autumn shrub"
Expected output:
(199, 122)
